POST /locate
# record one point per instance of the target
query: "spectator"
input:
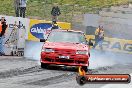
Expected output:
(55, 12)
(55, 26)
(3, 27)
(17, 7)
(22, 8)
(99, 37)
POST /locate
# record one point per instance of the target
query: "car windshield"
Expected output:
(66, 36)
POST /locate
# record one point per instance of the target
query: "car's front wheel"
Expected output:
(81, 80)
(43, 65)
(85, 68)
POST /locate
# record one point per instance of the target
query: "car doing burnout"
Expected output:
(64, 47)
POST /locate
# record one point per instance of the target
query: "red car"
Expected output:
(65, 47)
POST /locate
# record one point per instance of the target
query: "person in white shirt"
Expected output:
(23, 8)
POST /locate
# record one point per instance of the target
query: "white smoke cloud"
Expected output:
(104, 58)
(33, 50)
(98, 58)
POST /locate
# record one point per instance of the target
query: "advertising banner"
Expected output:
(114, 44)
(39, 29)
(10, 20)
(11, 37)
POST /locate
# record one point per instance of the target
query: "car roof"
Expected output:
(69, 31)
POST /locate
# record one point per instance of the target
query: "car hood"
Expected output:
(61, 45)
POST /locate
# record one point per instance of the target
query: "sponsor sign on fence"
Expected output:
(39, 29)
(114, 44)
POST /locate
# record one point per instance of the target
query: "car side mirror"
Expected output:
(42, 40)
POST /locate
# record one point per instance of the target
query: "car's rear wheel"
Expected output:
(43, 65)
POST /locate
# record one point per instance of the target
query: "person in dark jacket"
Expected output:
(55, 12)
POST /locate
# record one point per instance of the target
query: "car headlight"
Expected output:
(47, 50)
(81, 52)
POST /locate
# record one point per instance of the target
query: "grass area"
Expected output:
(69, 8)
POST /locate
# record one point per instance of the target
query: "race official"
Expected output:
(99, 37)
(3, 27)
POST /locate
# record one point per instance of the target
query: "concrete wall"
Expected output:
(91, 20)
(121, 9)
(116, 24)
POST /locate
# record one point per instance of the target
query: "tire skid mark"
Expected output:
(54, 80)
(64, 77)
(19, 71)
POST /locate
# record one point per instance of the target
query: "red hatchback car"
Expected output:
(65, 47)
